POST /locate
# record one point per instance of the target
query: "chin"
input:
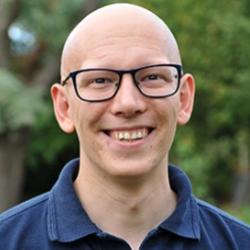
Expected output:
(130, 169)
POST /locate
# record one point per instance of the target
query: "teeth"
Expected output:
(134, 135)
(126, 135)
(129, 135)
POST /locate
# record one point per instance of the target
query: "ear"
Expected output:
(187, 92)
(61, 108)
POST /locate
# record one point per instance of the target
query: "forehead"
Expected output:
(116, 35)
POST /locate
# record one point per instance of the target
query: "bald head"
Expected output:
(115, 28)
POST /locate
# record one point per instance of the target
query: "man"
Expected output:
(123, 92)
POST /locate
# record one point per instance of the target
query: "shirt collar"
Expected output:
(68, 221)
(185, 219)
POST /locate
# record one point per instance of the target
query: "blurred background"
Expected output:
(213, 148)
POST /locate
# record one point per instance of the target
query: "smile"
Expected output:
(129, 135)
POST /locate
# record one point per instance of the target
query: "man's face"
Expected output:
(108, 131)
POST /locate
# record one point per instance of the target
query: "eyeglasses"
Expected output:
(101, 84)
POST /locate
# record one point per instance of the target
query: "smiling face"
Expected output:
(129, 135)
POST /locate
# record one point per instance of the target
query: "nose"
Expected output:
(128, 101)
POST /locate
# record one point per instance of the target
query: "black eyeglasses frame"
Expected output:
(73, 75)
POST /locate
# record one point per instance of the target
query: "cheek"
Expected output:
(167, 110)
(168, 123)
(87, 118)
(86, 114)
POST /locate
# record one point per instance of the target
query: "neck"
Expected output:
(137, 206)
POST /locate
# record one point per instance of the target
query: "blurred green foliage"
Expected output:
(242, 213)
(16, 110)
(51, 21)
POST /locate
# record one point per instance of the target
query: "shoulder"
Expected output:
(218, 222)
(24, 208)
(25, 216)
(214, 212)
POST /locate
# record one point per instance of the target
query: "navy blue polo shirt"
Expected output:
(56, 220)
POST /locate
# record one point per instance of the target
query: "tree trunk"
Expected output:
(12, 156)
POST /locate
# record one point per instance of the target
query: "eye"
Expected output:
(152, 77)
(101, 80)
(160, 77)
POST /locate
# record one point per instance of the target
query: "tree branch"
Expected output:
(50, 70)
(91, 5)
(9, 10)
(47, 73)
